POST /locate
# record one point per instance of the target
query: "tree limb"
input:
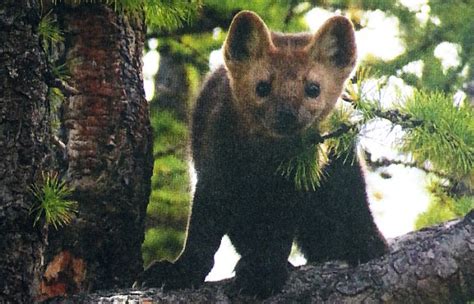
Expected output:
(433, 265)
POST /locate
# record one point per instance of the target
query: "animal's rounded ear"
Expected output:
(334, 43)
(248, 39)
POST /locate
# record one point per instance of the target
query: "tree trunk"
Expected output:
(108, 140)
(24, 142)
(433, 265)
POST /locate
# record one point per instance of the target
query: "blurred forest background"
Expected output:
(428, 45)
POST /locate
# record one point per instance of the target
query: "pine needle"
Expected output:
(445, 135)
(306, 168)
(51, 201)
(49, 31)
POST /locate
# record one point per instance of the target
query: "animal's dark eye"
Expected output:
(312, 89)
(263, 88)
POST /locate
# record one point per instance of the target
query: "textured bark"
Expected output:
(108, 145)
(24, 137)
(434, 265)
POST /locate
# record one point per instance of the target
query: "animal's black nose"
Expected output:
(286, 120)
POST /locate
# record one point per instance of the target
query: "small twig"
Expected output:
(385, 162)
(55, 82)
(343, 129)
(316, 138)
(58, 143)
(395, 117)
(65, 88)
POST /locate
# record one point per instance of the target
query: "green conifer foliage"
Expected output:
(445, 135)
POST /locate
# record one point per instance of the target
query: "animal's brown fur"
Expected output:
(241, 131)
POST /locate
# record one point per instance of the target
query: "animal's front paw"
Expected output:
(165, 274)
(258, 282)
(261, 289)
(370, 249)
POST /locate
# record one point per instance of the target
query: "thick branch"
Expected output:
(434, 265)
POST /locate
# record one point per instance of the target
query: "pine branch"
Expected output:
(398, 118)
(394, 116)
(435, 130)
(342, 130)
(385, 162)
(445, 136)
(164, 15)
(208, 19)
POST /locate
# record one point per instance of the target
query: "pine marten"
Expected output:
(250, 113)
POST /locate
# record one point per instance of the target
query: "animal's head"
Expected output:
(282, 84)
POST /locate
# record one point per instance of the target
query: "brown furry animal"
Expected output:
(248, 118)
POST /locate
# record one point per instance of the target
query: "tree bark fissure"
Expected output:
(106, 130)
(433, 265)
(24, 141)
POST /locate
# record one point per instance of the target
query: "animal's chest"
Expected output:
(256, 182)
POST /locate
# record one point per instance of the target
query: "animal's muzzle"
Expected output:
(286, 121)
